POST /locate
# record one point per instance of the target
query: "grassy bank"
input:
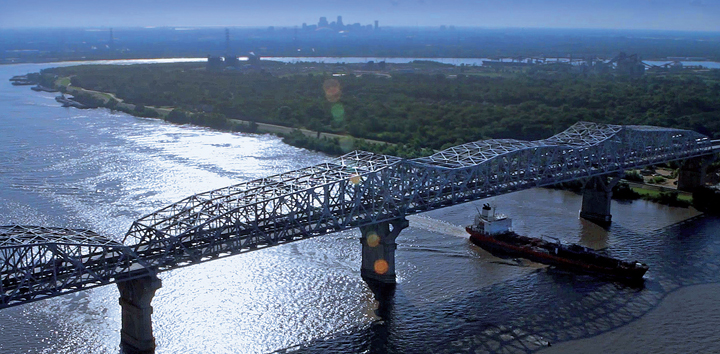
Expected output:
(341, 108)
(416, 105)
(634, 191)
(329, 143)
(657, 195)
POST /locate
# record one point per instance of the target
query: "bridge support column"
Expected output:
(136, 336)
(692, 173)
(378, 250)
(597, 193)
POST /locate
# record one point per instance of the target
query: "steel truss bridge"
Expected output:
(350, 191)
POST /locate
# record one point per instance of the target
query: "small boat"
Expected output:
(493, 233)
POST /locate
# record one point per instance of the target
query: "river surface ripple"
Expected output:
(101, 170)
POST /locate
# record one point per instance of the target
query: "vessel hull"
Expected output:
(541, 251)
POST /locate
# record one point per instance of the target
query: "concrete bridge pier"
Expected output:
(378, 250)
(136, 336)
(597, 194)
(692, 173)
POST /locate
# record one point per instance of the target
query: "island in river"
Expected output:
(412, 109)
(406, 110)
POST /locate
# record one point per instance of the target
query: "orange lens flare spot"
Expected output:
(381, 266)
(373, 240)
(332, 90)
(355, 179)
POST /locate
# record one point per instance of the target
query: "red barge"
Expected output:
(493, 232)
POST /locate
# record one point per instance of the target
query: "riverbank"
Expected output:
(97, 170)
(336, 144)
(468, 60)
(333, 144)
(337, 108)
(627, 190)
(422, 105)
(685, 318)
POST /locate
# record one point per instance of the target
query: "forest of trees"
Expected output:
(412, 111)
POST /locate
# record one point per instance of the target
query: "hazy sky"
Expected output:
(703, 15)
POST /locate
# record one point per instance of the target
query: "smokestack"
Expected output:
(486, 210)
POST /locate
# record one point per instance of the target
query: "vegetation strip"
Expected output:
(401, 113)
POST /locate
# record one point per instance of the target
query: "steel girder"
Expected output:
(277, 209)
(361, 188)
(354, 190)
(42, 262)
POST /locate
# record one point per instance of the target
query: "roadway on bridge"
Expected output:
(353, 190)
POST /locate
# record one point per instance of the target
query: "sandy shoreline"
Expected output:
(685, 321)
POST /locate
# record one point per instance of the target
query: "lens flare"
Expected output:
(381, 266)
(355, 179)
(338, 111)
(373, 240)
(332, 90)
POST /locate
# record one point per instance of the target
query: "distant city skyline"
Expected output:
(687, 15)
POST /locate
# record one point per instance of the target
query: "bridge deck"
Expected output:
(356, 189)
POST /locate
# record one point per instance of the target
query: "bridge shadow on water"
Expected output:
(526, 314)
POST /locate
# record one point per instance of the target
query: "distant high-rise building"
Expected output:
(339, 22)
(376, 25)
(323, 22)
(304, 27)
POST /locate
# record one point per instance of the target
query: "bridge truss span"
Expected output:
(491, 167)
(41, 262)
(362, 188)
(354, 190)
(268, 211)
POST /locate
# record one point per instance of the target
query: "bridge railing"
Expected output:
(38, 263)
(354, 190)
(325, 208)
(225, 222)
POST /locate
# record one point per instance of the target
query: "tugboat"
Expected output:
(493, 233)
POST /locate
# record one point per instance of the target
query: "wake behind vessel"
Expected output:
(493, 232)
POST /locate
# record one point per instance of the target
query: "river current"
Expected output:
(101, 170)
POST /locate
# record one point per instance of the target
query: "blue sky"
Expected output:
(692, 15)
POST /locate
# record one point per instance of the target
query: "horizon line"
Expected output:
(294, 27)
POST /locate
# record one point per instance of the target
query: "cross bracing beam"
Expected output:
(354, 190)
(716, 145)
(42, 262)
(363, 188)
